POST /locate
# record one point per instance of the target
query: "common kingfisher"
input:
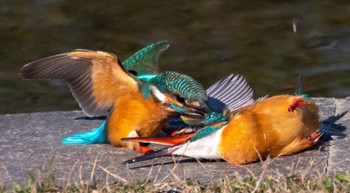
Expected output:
(274, 126)
(135, 108)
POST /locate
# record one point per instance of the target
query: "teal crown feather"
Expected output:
(181, 85)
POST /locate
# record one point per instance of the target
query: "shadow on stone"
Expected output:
(331, 129)
(184, 160)
(91, 118)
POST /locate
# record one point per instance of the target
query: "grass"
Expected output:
(334, 183)
(303, 182)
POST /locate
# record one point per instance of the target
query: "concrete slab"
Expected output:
(31, 143)
(339, 157)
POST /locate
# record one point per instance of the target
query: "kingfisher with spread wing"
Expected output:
(136, 106)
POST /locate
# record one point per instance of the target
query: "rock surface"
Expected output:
(31, 144)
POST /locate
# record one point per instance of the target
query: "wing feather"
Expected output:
(145, 61)
(232, 91)
(95, 78)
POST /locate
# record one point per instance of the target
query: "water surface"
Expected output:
(209, 40)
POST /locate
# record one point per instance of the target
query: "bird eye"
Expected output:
(133, 72)
(180, 99)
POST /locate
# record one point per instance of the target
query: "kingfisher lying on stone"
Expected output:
(275, 126)
(136, 107)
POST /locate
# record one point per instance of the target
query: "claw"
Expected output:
(143, 149)
(184, 131)
(314, 137)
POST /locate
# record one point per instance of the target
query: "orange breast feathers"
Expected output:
(268, 128)
(135, 116)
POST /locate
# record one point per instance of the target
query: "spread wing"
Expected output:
(232, 91)
(95, 78)
(145, 61)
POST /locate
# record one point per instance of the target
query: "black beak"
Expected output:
(197, 110)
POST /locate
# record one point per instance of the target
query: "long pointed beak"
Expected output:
(197, 110)
(202, 108)
(297, 103)
(162, 152)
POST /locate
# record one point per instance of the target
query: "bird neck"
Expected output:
(146, 90)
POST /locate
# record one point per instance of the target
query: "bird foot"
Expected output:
(169, 131)
(184, 131)
(144, 149)
(314, 137)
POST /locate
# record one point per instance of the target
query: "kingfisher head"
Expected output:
(180, 93)
(299, 101)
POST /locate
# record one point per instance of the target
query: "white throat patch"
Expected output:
(157, 94)
(206, 148)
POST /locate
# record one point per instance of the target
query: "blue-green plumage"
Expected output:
(180, 85)
(204, 126)
(146, 90)
(214, 117)
(210, 118)
(95, 136)
(230, 93)
(204, 132)
(146, 77)
(299, 90)
(176, 84)
(145, 61)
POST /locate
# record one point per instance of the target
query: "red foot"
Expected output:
(168, 131)
(314, 137)
(144, 149)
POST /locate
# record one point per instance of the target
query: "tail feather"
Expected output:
(162, 152)
(95, 136)
(299, 89)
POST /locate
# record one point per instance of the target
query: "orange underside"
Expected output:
(267, 128)
(133, 112)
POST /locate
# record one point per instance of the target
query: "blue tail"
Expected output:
(97, 135)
